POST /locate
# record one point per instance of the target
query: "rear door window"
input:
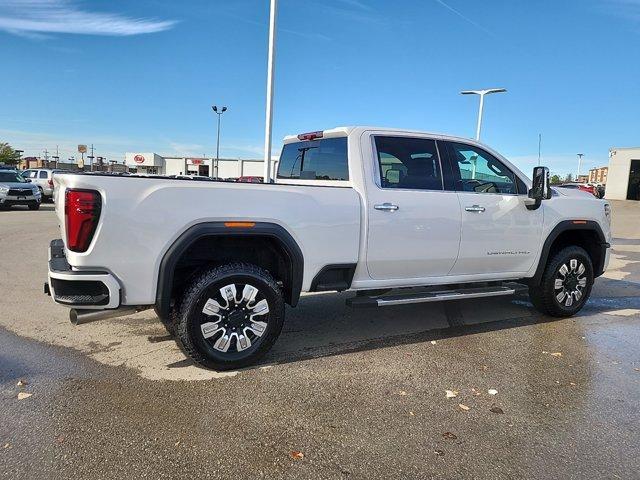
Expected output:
(324, 159)
(408, 163)
(43, 174)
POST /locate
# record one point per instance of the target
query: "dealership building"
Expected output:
(153, 164)
(623, 175)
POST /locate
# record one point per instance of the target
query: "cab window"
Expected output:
(477, 171)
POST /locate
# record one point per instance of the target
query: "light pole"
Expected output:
(270, 71)
(218, 112)
(482, 93)
(580, 155)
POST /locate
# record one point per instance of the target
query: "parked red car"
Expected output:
(250, 179)
(581, 186)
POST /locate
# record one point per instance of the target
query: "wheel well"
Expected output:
(587, 239)
(587, 235)
(209, 244)
(212, 251)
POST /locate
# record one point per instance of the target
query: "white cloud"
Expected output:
(464, 17)
(37, 18)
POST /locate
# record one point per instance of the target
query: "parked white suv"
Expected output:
(356, 208)
(43, 179)
(15, 190)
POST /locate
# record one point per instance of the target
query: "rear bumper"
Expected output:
(90, 290)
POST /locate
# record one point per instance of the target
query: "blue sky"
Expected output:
(141, 76)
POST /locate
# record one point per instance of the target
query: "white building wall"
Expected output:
(174, 166)
(619, 169)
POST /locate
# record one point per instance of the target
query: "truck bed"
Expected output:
(142, 216)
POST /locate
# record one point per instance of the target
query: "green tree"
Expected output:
(569, 178)
(555, 179)
(8, 155)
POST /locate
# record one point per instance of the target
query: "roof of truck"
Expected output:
(348, 130)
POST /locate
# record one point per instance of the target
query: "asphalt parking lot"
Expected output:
(343, 394)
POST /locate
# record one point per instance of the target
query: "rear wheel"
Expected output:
(566, 284)
(230, 316)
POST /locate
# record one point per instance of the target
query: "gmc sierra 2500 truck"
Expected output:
(357, 208)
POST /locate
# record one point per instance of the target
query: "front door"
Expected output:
(499, 233)
(414, 225)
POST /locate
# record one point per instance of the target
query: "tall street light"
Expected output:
(580, 155)
(219, 112)
(482, 93)
(270, 71)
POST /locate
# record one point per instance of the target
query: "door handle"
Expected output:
(386, 207)
(475, 208)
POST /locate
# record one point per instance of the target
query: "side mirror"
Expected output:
(540, 189)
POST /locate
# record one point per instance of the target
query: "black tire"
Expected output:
(235, 319)
(34, 206)
(551, 299)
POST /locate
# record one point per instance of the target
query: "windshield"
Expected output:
(11, 177)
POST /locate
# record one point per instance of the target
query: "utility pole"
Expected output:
(91, 157)
(270, 71)
(539, 147)
(56, 157)
(46, 155)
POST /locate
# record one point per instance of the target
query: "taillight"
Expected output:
(51, 182)
(310, 135)
(81, 211)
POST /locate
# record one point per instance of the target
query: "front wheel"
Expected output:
(230, 316)
(34, 206)
(566, 283)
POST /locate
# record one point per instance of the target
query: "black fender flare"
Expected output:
(565, 226)
(219, 229)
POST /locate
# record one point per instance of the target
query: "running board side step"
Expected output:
(433, 295)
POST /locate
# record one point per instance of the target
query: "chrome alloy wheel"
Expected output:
(233, 323)
(570, 283)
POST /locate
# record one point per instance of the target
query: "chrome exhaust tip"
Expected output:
(80, 317)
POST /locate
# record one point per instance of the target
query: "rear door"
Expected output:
(499, 233)
(413, 224)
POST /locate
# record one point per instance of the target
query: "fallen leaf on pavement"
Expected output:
(496, 410)
(463, 407)
(438, 452)
(23, 395)
(637, 369)
(433, 342)
(556, 354)
(492, 391)
(177, 443)
(6, 445)
(60, 439)
(451, 393)
(297, 455)
(475, 392)
(412, 414)
(22, 383)
(449, 435)
(402, 393)
(572, 384)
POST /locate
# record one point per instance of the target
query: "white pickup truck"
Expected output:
(357, 208)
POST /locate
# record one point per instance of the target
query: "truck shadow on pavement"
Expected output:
(322, 325)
